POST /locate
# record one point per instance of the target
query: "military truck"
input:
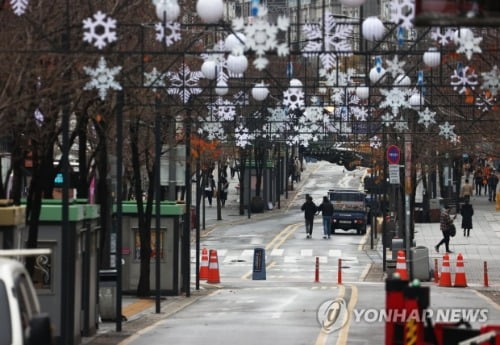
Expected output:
(349, 210)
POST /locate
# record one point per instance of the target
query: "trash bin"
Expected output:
(107, 294)
(420, 263)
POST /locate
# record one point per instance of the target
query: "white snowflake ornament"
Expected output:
(395, 99)
(328, 39)
(443, 38)
(463, 78)
(401, 124)
(262, 36)
(395, 67)
(212, 130)
(243, 136)
(100, 30)
(185, 83)
(103, 78)
(154, 79)
(485, 102)
(491, 81)
(446, 130)
(387, 119)
(426, 117)
(468, 44)
(375, 142)
(403, 13)
(19, 6)
(293, 98)
(168, 33)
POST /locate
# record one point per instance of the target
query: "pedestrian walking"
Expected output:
(492, 186)
(310, 209)
(209, 188)
(467, 211)
(224, 187)
(445, 223)
(478, 180)
(326, 209)
(297, 169)
(466, 190)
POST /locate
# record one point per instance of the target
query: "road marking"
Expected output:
(365, 272)
(306, 252)
(247, 252)
(344, 332)
(290, 259)
(487, 299)
(335, 252)
(323, 336)
(277, 252)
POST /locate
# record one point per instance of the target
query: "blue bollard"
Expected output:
(259, 264)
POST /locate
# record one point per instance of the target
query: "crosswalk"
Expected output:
(284, 255)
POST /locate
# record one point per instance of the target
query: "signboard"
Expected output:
(457, 13)
(393, 154)
(394, 174)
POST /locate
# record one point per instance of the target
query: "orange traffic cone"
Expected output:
(445, 278)
(204, 264)
(401, 265)
(460, 279)
(213, 268)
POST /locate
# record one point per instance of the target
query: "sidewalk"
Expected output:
(140, 313)
(482, 246)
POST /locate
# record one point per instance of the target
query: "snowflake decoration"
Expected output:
(168, 33)
(401, 124)
(468, 44)
(485, 102)
(446, 130)
(361, 113)
(293, 98)
(212, 129)
(262, 36)
(426, 117)
(336, 40)
(395, 99)
(19, 6)
(387, 119)
(100, 30)
(277, 122)
(334, 78)
(154, 79)
(185, 83)
(442, 38)
(243, 136)
(375, 142)
(241, 99)
(103, 78)
(491, 81)
(217, 55)
(395, 67)
(463, 78)
(403, 12)
(222, 110)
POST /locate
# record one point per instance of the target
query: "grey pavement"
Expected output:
(483, 245)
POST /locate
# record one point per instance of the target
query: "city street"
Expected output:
(286, 306)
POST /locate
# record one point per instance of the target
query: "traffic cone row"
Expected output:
(460, 278)
(209, 267)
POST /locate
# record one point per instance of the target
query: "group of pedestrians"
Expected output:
(486, 180)
(210, 189)
(310, 210)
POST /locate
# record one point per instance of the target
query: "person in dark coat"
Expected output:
(467, 212)
(326, 209)
(309, 208)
